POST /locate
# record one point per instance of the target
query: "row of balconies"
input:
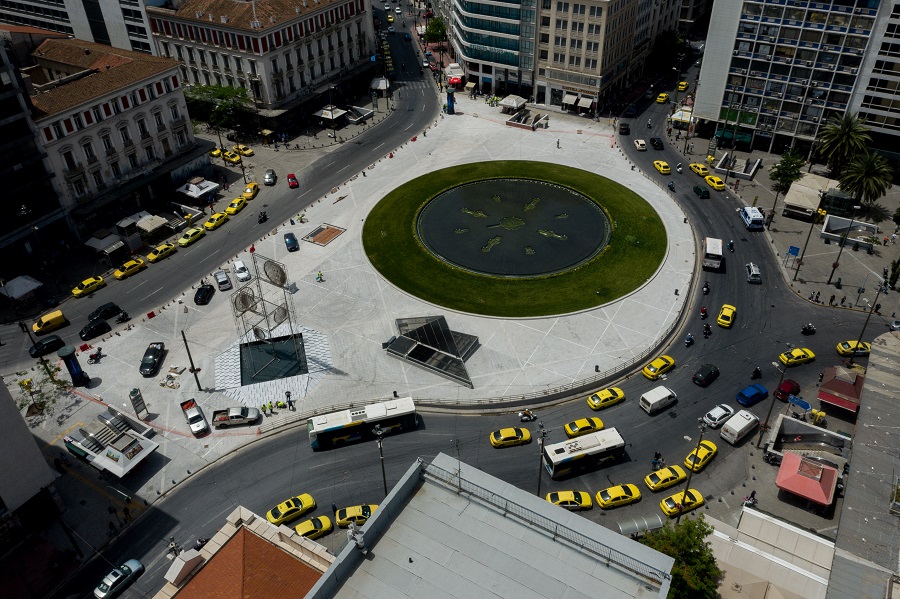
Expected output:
(820, 6)
(808, 63)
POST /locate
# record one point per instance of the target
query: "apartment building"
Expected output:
(774, 71)
(110, 121)
(284, 52)
(119, 23)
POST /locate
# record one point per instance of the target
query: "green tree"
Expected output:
(41, 391)
(896, 217)
(785, 172)
(221, 106)
(436, 31)
(842, 138)
(867, 178)
(695, 574)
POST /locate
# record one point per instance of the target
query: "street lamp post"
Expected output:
(687, 486)
(379, 433)
(837, 262)
(866, 323)
(765, 424)
(542, 434)
(812, 224)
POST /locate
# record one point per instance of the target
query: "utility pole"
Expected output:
(765, 425)
(379, 433)
(846, 234)
(542, 432)
(191, 360)
(687, 487)
(866, 323)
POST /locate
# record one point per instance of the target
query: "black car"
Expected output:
(46, 345)
(104, 312)
(631, 111)
(624, 129)
(290, 242)
(153, 358)
(702, 192)
(656, 143)
(94, 328)
(706, 375)
(204, 295)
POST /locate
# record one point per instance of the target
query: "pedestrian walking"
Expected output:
(831, 300)
(877, 308)
(843, 300)
(319, 277)
(691, 148)
(817, 296)
(334, 508)
(557, 144)
(23, 327)
(290, 402)
(649, 125)
(893, 238)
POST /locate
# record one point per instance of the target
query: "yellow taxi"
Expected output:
(231, 157)
(217, 152)
(715, 182)
(679, 503)
(571, 500)
(605, 398)
(618, 496)
(795, 357)
(664, 478)
(88, 286)
(129, 268)
(662, 98)
(583, 426)
(291, 509)
(251, 190)
(161, 251)
(854, 348)
(242, 150)
(701, 456)
(191, 236)
(658, 367)
(215, 221)
(316, 527)
(390, 18)
(357, 513)
(662, 166)
(236, 205)
(682, 86)
(726, 316)
(509, 437)
(698, 168)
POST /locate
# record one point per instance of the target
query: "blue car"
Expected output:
(752, 395)
(290, 242)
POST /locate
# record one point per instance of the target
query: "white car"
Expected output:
(895, 326)
(397, 10)
(115, 583)
(240, 271)
(641, 145)
(718, 415)
(387, 7)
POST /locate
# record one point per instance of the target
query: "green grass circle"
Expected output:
(636, 247)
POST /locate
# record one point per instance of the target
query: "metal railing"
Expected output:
(554, 529)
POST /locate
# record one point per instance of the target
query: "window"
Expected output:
(132, 160)
(574, 43)
(98, 179)
(151, 153)
(88, 150)
(181, 137)
(578, 9)
(574, 61)
(57, 130)
(594, 30)
(593, 46)
(577, 27)
(190, 53)
(238, 64)
(165, 49)
(173, 109)
(213, 59)
(78, 186)
(202, 55)
(596, 12)
(562, 7)
(590, 63)
(157, 116)
(107, 142)
(559, 57)
(545, 21)
(178, 52)
(116, 169)
(275, 65)
(126, 136)
(98, 114)
(252, 67)
(562, 24)
(142, 128)
(69, 159)
(79, 123)
(117, 109)
(543, 54)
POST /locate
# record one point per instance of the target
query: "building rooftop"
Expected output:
(228, 14)
(448, 530)
(111, 69)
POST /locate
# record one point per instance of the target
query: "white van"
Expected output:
(739, 426)
(656, 399)
(753, 273)
(752, 217)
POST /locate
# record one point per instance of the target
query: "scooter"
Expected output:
(707, 331)
(95, 357)
(757, 374)
(749, 501)
(678, 168)
(703, 312)
(730, 246)
(689, 340)
(263, 217)
(527, 416)
(706, 288)
(672, 185)
(122, 317)
(200, 543)
(808, 329)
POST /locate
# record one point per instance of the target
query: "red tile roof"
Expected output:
(114, 69)
(270, 13)
(807, 478)
(842, 387)
(32, 30)
(249, 566)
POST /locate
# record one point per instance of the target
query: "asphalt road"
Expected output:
(273, 469)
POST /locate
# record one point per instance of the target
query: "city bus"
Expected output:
(712, 253)
(357, 424)
(583, 453)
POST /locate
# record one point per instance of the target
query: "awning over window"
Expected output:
(470, 85)
(151, 223)
(569, 99)
(585, 102)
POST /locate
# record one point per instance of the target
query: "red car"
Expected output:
(428, 15)
(292, 181)
(788, 387)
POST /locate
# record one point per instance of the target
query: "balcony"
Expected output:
(128, 143)
(92, 159)
(178, 121)
(111, 151)
(160, 127)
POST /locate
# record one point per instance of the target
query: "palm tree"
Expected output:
(867, 178)
(842, 138)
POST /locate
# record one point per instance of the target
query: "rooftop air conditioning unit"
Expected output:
(768, 57)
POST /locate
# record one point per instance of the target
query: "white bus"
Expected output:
(583, 453)
(712, 253)
(357, 424)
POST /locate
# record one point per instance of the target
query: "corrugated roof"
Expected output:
(115, 69)
(31, 30)
(271, 14)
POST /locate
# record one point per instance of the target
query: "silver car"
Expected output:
(718, 415)
(241, 271)
(270, 177)
(115, 583)
(222, 280)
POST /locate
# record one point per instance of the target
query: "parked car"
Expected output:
(630, 111)
(641, 145)
(46, 345)
(291, 509)
(786, 389)
(251, 190)
(241, 271)
(153, 358)
(222, 280)
(129, 268)
(204, 294)
(121, 577)
(315, 527)
(94, 328)
(571, 500)
(107, 310)
(357, 513)
(270, 177)
(161, 251)
(290, 242)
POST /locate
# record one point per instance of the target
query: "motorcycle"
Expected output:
(757, 374)
(749, 501)
(527, 416)
(808, 329)
(672, 185)
(263, 217)
(703, 312)
(200, 543)
(95, 357)
(122, 317)
(706, 288)
(707, 331)
(689, 340)
(730, 246)
(678, 168)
